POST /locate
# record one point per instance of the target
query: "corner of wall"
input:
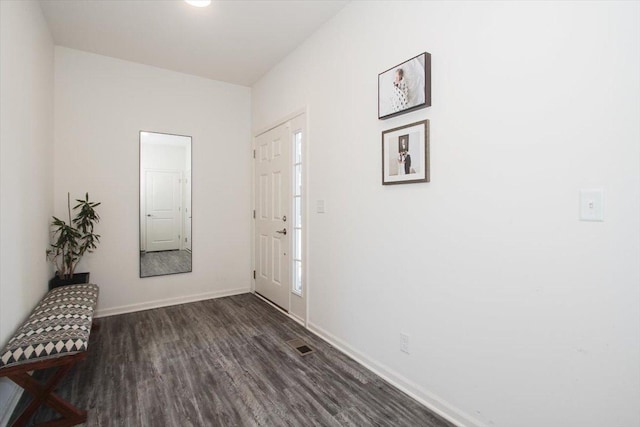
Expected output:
(26, 143)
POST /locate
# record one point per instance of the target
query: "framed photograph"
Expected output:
(405, 87)
(405, 154)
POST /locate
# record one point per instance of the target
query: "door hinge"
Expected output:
(254, 214)
(254, 154)
(254, 274)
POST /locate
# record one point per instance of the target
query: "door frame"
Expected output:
(304, 207)
(183, 188)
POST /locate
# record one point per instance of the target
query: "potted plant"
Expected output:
(71, 241)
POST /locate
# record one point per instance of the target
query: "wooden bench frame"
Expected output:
(43, 393)
(55, 335)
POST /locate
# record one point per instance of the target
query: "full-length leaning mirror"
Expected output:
(165, 204)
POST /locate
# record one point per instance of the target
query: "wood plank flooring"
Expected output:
(225, 362)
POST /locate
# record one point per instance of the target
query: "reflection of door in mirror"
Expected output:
(162, 200)
(165, 204)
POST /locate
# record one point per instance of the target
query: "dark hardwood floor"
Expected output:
(226, 362)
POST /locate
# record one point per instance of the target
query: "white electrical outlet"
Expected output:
(404, 343)
(592, 204)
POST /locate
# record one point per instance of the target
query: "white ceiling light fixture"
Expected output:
(199, 3)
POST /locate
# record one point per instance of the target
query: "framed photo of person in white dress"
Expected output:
(405, 87)
(405, 154)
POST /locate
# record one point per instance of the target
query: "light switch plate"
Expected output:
(320, 206)
(592, 204)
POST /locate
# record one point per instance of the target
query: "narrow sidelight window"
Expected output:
(297, 213)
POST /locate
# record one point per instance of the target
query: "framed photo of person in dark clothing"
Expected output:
(403, 143)
(405, 87)
(405, 154)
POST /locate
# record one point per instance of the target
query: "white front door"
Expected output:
(273, 207)
(162, 201)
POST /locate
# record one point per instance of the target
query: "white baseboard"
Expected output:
(434, 403)
(130, 308)
(10, 395)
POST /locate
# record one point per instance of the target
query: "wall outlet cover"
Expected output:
(592, 204)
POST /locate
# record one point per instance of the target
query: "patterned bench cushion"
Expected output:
(59, 325)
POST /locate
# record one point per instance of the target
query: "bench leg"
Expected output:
(43, 394)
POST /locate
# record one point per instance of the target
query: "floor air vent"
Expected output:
(300, 346)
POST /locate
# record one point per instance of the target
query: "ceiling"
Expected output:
(232, 41)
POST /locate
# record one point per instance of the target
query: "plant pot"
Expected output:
(77, 279)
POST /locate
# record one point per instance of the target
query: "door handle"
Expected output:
(149, 215)
(283, 231)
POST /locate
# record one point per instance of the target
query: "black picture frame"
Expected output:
(412, 165)
(411, 93)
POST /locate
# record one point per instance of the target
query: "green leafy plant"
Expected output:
(71, 241)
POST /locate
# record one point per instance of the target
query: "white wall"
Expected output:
(26, 168)
(518, 313)
(101, 105)
(163, 157)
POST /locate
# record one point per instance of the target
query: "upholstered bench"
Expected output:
(56, 334)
